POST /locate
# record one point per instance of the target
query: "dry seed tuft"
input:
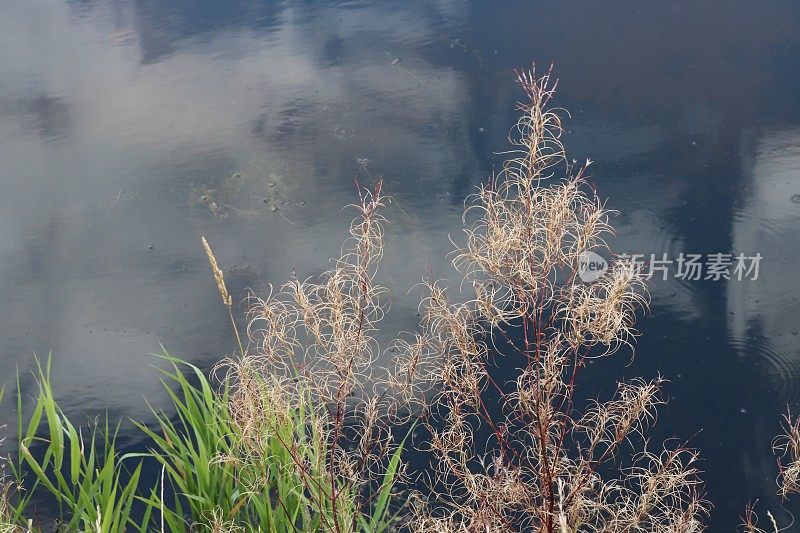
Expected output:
(218, 276)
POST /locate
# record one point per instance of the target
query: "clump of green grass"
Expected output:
(82, 472)
(209, 478)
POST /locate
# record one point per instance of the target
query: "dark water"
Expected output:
(130, 128)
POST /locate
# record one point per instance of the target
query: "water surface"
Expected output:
(128, 128)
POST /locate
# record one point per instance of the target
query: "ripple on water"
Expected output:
(659, 239)
(781, 367)
(343, 132)
(767, 226)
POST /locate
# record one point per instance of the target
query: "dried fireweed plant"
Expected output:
(786, 447)
(10, 493)
(7, 489)
(544, 466)
(311, 351)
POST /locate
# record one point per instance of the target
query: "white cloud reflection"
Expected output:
(84, 207)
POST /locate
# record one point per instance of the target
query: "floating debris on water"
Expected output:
(796, 199)
(254, 190)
